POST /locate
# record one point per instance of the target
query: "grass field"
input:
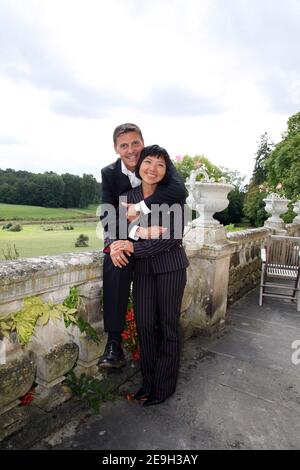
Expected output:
(18, 212)
(34, 241)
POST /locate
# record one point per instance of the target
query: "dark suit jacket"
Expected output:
(115, 183)
(159, 255)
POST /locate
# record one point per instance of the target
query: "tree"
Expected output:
(89, 189)
(293, 126)
(263, 152)
(283, 166)
(187, 164)
(72, 190)
(254, 206)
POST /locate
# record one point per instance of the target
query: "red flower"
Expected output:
(125, 334)
(130, 315)
(136, 355)
(26, 399)
(129, 334)
(128, 396)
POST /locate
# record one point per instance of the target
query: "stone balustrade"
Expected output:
(245, 264)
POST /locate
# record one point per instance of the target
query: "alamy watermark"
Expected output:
(295, 358)
(2, 352)
(172, 217)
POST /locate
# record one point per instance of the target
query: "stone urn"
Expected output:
(207, 197)
(296, 209)
(276, 205)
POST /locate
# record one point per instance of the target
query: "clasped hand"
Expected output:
(119, 250)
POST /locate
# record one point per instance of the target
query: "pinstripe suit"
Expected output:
(159, 281)
(116, 281)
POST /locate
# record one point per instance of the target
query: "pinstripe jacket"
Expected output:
(166, 253)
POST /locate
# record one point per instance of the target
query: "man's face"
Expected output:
(129, 147)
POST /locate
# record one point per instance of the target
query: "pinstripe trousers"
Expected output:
(157, 299)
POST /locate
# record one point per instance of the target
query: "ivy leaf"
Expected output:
(43, 320)
(55, 314)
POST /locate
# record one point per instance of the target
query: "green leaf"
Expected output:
(43, 320)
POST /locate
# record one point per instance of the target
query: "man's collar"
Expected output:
(125, 169)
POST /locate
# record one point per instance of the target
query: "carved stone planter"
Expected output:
(276, 205)
(296, 209)
(207, 198)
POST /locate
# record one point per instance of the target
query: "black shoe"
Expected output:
(113, 356)
(153, 401)
(141, 395)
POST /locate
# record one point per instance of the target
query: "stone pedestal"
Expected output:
(91, 311)
(296, 209)
(54, 355)
(17, 374)
(203, 234)
(205, 298)
(89, 352)
(91, 294)
(278, 227)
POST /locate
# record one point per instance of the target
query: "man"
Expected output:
(118, 178)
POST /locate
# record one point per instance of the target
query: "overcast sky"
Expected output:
(198, 76)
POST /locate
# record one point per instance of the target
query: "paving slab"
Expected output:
(236, 391)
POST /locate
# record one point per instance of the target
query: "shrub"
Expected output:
(7, 226)
(16, 228)
(68, 227)
(82, 240)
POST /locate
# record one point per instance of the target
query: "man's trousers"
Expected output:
(116, 287)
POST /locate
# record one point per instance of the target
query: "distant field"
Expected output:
(18, 212)
(34, 241)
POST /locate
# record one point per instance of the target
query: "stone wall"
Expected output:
(245, 264)
(53, 350)
(293, 230)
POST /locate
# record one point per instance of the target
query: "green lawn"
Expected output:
(18, 212)
(34, 241)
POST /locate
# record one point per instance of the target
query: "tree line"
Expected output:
(276, 169)
(48, 189)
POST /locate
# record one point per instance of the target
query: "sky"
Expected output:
(198, 76)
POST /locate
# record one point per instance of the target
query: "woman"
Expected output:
(158, 286)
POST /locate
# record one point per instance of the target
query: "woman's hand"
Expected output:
(118, 251)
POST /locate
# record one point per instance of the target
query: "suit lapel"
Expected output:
(122, 183)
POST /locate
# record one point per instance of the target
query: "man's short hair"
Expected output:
(124, 129)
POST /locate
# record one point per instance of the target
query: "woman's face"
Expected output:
(153, 169)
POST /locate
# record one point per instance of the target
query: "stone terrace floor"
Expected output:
(238, 391)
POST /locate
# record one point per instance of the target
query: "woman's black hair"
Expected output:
(154, 151)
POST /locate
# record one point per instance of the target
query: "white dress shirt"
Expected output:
(140, 206)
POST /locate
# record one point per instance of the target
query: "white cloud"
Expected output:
(198, 77)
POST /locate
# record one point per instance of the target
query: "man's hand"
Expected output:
(147, 233)
(131, 213)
